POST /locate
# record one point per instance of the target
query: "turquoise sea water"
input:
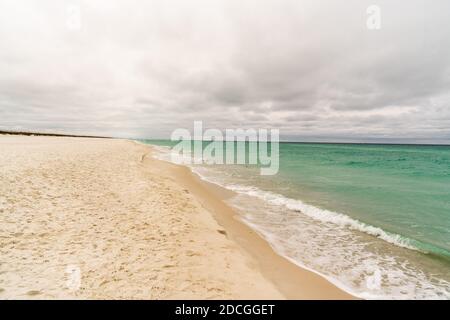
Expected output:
(374, 219)
(402, 189)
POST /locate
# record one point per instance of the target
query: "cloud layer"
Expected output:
(309, 68)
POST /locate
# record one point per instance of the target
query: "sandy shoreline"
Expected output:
(98, 218)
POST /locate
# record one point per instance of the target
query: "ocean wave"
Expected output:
(323, 215)
(315, 213)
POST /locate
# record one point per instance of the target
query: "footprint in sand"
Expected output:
(33, 292)
(222, 232)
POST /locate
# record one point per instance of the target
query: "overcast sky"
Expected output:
(312, 69)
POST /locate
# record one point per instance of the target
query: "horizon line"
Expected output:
(52, 134)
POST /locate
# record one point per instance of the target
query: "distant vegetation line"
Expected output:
(29, 133)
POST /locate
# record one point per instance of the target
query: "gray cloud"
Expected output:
(310, 68)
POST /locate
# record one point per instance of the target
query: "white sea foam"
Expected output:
(322, 215)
